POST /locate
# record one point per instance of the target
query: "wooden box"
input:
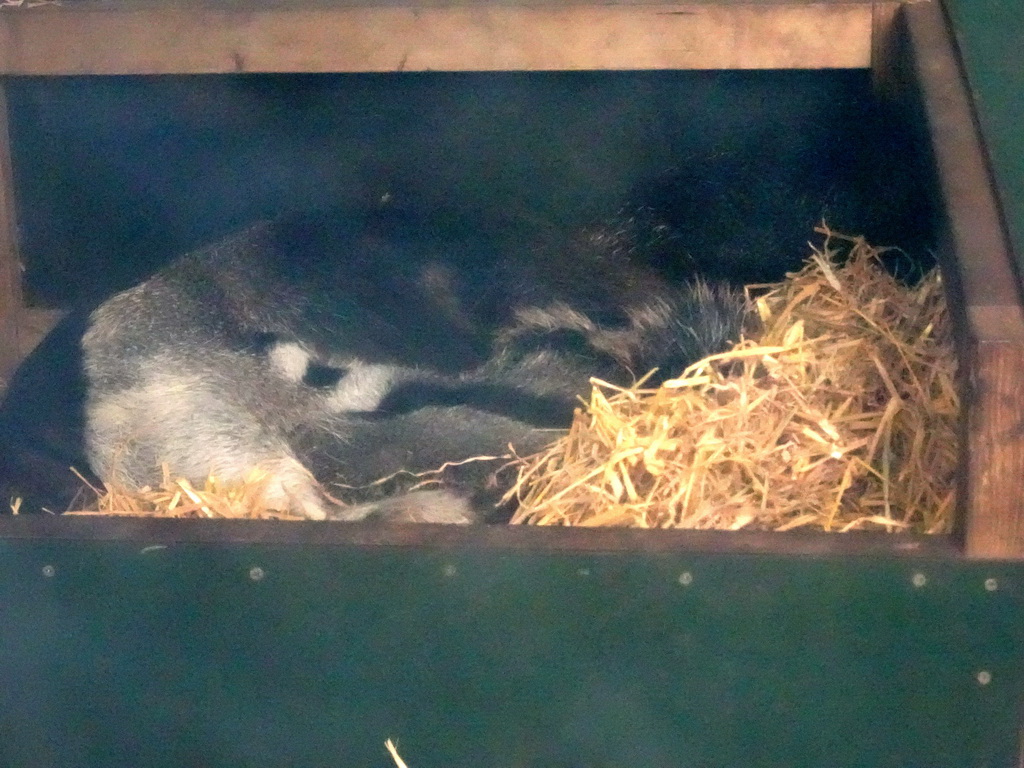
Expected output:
(908, 48)
(185, 642)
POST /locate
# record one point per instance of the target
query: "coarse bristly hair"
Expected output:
(325, 352)
(666, 330)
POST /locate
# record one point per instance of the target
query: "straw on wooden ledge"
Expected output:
(177, 497)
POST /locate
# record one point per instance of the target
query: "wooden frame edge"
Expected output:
(226, 532)
(11, 298)
(482, 37)
(985, 293)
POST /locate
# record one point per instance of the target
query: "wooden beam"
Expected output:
(474, 538)
(986, 296)
(33, 325)
(885, 50)
(10, 265)
(162, 40)
(995, 452)
(984, 260)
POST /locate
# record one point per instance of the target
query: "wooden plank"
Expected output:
(303, 535)
(33, 325)
(993, 524)
(10, 266)
(995, 453)
(249, 6)
(983, 257)
(223, 656)
(158, 40)
(885, 46)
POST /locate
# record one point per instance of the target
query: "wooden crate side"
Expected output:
(991, 290)
(985, 293)
(33, 325)
(267, 655)
(995, 452)
(160, 40)
(886, 48)
(10, 267)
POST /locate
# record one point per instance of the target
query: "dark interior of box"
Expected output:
(721, 173)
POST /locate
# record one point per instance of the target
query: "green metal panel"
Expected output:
(118, 654)
(990, 34)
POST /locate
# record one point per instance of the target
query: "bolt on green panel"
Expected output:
(203, 655)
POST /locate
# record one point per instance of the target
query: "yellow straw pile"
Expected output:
(839, 413)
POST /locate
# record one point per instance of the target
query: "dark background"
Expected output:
(723, 173)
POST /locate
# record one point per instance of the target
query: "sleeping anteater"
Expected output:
(340, 348)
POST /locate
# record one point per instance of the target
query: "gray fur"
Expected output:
(426, 356)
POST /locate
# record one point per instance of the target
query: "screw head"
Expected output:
(256, 573)
(49, 571)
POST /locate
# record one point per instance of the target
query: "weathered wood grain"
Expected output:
(991, 290)
(985, 295)
(995, 452)
(302, 534)
(159, 39)
(10, 266)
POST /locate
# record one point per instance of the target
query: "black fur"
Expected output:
(353, 346)
(42, 422)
